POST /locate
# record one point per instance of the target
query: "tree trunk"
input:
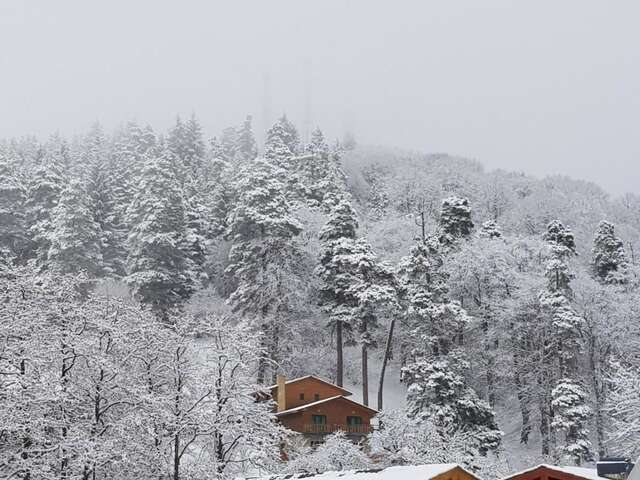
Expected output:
(489, 352)
(176, 457)
(523, 400)
(274, 355)
(219, 453)
(365, 364)
(365, 375)
(387, 353)
(491, 383)
(339, 358)
(598, 390)
(262, 361)
(544, 427)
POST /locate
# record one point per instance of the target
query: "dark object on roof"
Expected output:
(614, 467)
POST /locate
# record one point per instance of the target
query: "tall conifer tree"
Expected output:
(158, 269)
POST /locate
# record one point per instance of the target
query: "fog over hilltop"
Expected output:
(543, 87)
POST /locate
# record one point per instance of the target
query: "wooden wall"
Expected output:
(544, 473)
(456, 473)
(310, 387)
(336, 412)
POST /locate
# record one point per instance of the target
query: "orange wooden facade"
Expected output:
(456, 473)
(306, 390)
(547, 472)
(315, 407)
(338, 414)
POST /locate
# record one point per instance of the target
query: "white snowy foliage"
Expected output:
(336, 453)
(571, 414)
(623, 407)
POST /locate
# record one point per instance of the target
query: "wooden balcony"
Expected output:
(327, 428)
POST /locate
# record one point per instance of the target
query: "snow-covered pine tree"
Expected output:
(422, 285)
(187, 147)
(320, 171)
(438, 393)
(433, 367)
(194, 146)
(356, 286)
(279, 143)
(216, 181)
(229, 144)
(14, 237)
(610, 262)
(186, 144)
(131, 148)
(490, 229)
(264, 257)
(571, 414)
(197, 228)
(455, 220)
(557, 235)
(158, 268)
(290, 135)
(556, 299)
(246, 148)
(75, 236)
(45, 184)
(560, 346)
(341, 227)
(317, 144)
(106, 184)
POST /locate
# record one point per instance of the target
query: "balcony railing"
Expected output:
(328, 428)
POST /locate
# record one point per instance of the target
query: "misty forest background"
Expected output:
(150, 283)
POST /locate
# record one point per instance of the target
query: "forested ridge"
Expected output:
(152, 282)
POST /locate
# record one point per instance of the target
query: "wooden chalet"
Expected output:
(315, 407)
(555, 472)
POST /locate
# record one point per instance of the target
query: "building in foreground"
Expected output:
(315, 407)
(438, 471)
(555, 472)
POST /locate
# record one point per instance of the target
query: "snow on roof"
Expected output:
(404, 472)
(635, 471)
(313, 404)
(294, 380)
(588, 473)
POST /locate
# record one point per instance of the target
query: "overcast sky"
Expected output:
(540, 86)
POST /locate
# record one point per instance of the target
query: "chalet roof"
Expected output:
(403, 472)
(306, 377)
(319, 402)
(580, 472)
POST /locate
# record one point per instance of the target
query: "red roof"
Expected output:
(345, 392)
(326, 400)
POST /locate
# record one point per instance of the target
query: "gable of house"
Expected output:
(556, 472)
(304, 390)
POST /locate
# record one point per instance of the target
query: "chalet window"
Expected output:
(316, 397)
(302, 396)
(319, 419)
(354, 420)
